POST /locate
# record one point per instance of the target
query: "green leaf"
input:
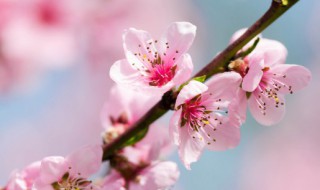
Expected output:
(140, 135)
(200, 79)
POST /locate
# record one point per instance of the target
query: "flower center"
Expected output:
(203, 114)
(195, 113)
(161, 74)
(157, 69)
(72, 183)
(271, 84)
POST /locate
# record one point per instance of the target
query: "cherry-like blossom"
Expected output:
(155, 64)
(128, 106)
(266, 80)
(71, 172)
(206, 117)
(139, 167)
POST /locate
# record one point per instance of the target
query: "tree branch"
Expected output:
(217, 65)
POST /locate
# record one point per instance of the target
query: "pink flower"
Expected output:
(268, 79)
(123, 108)
(155, 64)
(141, 169)
(158, 175)
(71, 172)
(24, 179)
(114, 181)
(205, 117)
(137, 166)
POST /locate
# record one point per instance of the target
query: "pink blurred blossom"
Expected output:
(35, 35)
(123, 108)
(146, 171)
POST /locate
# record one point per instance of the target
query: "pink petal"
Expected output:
(122, 73)
(136, 41)
(296, 76)
(224, 85)
(16, 182)
(192, 89)
(252, 79)
(273, 52)
(159, 175)
(113, 181)
(239, 107)
(137, 155)
(40, 186)
(179, 36)
(159, 141)
(226, 136)
(85, 161)
(184, 69)
(31, 172)
(189, 149)
(174, 126)
(126, 101)
(52, 169)
(272, 115)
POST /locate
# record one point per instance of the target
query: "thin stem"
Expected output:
(217, 65)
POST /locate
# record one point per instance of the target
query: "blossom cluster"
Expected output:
(206, 115)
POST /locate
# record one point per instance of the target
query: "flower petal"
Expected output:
(252, 79)
(160, 175)
(273, 51)
(265, 110)
(294, 76)
(239, 107)
(184, 69)
(189, 149)
(85, 161)
(137, 42)
(225, 136)
(52, 169)
(133, 104)
(174, 126)
(224, 85)
(113, 181)
(192, 89)
(122, 73)
(177, 39)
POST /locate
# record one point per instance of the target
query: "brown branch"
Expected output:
(217, 65)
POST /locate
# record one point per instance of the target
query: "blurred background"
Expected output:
(54, 61)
